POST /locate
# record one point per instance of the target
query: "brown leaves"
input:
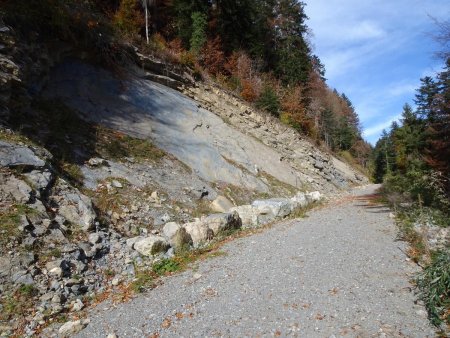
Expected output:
(166, 323)
(319, 316)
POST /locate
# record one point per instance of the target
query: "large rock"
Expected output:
(199, 232)
(13, 155)
(221, 204)
(18, 189)
(39, 180)
(5, 266)
(314, 196)
(177, 235)
(252, 217)
(280, 207)
(72, 327)
(299, 201)
(151, 245)
(220, 223)
(73, 205)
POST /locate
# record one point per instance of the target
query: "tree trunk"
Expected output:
(146, 24)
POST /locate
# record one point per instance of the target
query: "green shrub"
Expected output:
(269, 101)
(434, 288)
(165, 265)
(198, 38)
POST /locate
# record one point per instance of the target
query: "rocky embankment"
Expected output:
(87, 201)
(58, 255)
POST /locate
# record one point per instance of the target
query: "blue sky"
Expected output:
(376, 52)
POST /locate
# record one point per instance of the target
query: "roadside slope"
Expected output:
(338, 272)
(208, 141)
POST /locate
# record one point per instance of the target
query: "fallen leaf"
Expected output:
(333, 291)
(166, 323)
(319, 316)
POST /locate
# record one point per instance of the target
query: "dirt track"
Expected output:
(338, 272)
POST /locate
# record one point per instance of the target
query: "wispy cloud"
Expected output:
(402, 89)
(376, 52)
(378, 128)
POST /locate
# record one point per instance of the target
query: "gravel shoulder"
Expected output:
(338, 272)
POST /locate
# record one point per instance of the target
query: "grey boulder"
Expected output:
(13, 155)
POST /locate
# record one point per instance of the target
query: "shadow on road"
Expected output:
(372, 202)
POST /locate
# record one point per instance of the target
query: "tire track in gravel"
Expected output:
(338, 272)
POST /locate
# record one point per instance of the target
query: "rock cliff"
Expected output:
(103, 174)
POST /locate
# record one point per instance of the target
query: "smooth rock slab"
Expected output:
(13, 155)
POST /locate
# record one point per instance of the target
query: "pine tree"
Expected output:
(438, 148)
(293, 63)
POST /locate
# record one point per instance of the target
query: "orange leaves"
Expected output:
(214, 57)
(166, 323)
(248, 91)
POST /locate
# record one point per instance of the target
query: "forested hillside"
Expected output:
(260, 50)
(412, 160)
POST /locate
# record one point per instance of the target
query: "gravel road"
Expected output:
(338, 272)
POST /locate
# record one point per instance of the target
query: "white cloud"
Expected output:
(378, 128)
(365, 30)
(402, 89)
(375, 52)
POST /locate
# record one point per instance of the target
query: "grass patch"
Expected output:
(13, 137)
(144, 280)
(117, 146)
(278, 187)
(72, 172)
(202, 207)
(10, 221)
(348, 158)
(106, 201)
(17, 304)
(165, 266)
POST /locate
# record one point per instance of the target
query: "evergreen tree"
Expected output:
(198, 38)
(292, 52)
(182, 14)
(438, 147)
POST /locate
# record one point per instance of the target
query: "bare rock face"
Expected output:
(14, 155)
(151, 245)
(73, 205)
(18, 189)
